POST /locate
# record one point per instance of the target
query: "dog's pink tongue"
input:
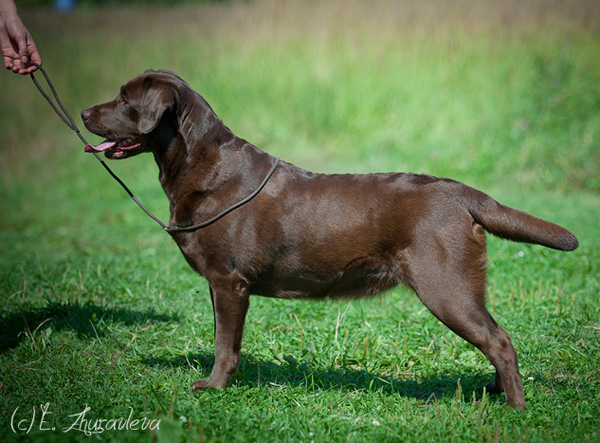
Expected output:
(101, 147)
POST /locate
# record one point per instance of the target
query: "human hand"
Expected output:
(16, 43)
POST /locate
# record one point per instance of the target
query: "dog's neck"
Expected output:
(201, 175)
(183, 143)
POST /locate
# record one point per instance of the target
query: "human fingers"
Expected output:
(27, 61)
(8, 51)
(33, 56)
(8, 64)
(28, 67)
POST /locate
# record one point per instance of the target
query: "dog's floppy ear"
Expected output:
(158, 97)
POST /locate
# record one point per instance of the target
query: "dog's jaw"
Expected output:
(118, 149)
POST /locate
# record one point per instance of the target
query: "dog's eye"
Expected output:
(123, 102)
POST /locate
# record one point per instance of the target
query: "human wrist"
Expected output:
(7, 9)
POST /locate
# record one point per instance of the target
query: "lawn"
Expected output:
(103, 324)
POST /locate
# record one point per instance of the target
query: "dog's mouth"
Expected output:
(117, 149)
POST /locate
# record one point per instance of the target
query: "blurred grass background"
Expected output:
(481, 91)
(504, 96)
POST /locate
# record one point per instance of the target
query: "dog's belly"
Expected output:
(363, 276)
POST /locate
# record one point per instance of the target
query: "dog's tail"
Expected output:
(512, 224)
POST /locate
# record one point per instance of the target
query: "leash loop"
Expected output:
(68, 120)
(64, 115)
(62, 112)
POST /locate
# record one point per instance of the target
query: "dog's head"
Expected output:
(131, 121)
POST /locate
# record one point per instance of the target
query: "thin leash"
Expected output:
(62, 112)
(66, 117)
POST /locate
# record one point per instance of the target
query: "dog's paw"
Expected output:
(201, 385)
(517, 406)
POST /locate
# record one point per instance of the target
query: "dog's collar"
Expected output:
(226, 211)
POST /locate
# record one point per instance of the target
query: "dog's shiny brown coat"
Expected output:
(310, 235)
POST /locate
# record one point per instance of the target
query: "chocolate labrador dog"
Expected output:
(253, 225)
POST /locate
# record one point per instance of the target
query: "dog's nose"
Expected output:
(85, 114)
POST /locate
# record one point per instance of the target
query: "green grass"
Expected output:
(98, 308)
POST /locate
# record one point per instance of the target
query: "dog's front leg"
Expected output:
(230, 305)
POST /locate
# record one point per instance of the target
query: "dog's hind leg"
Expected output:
(450, 281)
(230, 305)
